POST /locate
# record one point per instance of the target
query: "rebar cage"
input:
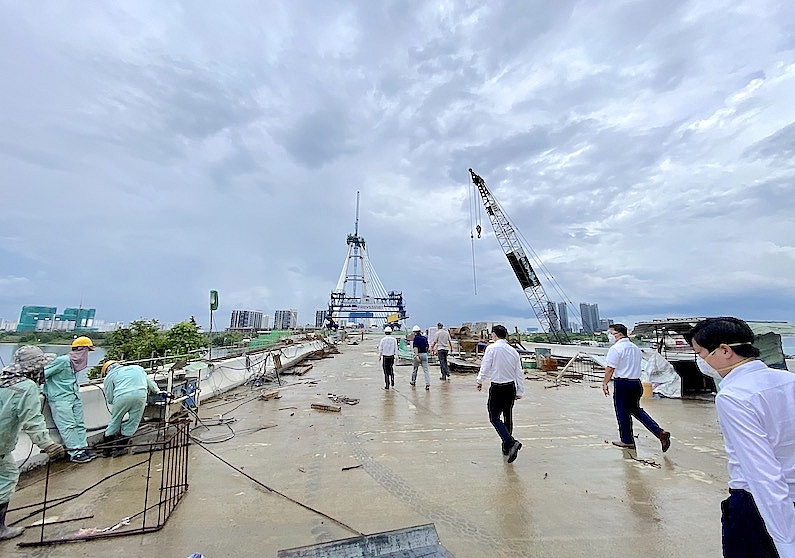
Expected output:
(158, 491)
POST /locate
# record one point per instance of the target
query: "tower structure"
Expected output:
(359, 296)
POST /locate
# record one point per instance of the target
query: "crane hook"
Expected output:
(477, 228)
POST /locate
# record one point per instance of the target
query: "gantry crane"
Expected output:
(533, 289)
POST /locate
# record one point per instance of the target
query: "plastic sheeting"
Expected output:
(661, 375)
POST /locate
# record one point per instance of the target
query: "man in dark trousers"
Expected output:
(502, 364)
(387, 349)
(755, 410)
(624, 368)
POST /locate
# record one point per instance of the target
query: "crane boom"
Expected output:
(517, 258)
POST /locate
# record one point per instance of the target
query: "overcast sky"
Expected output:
(152, 151)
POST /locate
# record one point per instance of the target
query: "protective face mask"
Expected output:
(611, 338)
(79, 360)
(706, 369)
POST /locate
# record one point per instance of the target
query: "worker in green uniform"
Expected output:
(20, 410)
(126, 389)
(63, 396)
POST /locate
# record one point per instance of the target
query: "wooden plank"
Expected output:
(326, 407)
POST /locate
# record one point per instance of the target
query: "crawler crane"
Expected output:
(531, 285)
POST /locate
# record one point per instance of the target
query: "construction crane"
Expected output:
(531, 285)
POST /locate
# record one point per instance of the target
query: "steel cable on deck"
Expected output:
(269, 489)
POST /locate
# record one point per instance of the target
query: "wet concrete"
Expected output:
(418, 457)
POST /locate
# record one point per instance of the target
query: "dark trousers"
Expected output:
(744, 533)
(501, 400)
(626, 399)
(388, 362)
(442, 353)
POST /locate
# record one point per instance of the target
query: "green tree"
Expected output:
(140, 341)
(184, 338)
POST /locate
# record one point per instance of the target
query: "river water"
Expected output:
(7, 351)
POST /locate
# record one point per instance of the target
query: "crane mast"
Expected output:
(528, 279)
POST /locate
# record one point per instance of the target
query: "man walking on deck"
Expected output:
(624, 368)
(387, 350)
(420, 347)
(502, 364)
(754, 408)
(442, 347)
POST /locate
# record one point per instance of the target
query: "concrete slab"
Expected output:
(409, 457)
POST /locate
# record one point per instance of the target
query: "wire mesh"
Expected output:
(157, 492)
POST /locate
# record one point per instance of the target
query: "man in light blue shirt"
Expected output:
(756, 411)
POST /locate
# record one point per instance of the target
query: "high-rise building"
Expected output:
(552, 313)
(285, 319)
(590, 317)
(30, 317)
(83, 318)
(246, 319)
(563, 316)
(44, 318)
(320, 318)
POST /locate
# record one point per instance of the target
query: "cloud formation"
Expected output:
(156, 150)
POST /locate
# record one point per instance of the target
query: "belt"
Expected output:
(627, 379)
(502, 384)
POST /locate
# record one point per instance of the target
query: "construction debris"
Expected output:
(274, 394)
(343, 399)
(325, 407)
(299, 370)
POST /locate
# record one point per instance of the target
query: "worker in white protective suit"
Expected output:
(665, 382)
(20, 410)
(126, 390)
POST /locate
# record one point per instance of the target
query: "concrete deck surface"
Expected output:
(418, 457)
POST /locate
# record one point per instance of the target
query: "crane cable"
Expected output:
(474, 224)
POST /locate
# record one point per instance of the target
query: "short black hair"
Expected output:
(500, 331)
(621, 328)
(439, 325)
(713, 332)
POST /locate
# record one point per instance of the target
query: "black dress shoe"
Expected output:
(514, 451)
(665, 440)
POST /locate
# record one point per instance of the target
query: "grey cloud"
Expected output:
(320, 137)
(779, 145)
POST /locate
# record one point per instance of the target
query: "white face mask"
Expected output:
(706, 369)
(611, 337)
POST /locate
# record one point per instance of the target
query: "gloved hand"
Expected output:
(54, 451)
(165, 394)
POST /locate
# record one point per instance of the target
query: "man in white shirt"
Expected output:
(387, 349)
(502, 364)
(441, 346)
(755, 407)
(624, 368)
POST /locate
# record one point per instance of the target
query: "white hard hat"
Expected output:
(416, 328)
(387, 329)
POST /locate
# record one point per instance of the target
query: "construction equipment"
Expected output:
(531, 285)
(360, 297)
